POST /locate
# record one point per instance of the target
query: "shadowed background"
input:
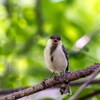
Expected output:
(25, 27)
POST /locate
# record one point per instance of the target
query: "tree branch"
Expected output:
(34, 37)
(53, 82)
(7, 5)
(78, 83)
(85, 84)
(9, 91)
(96, 92)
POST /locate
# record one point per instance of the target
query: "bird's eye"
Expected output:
(51, 37)
(58, 38)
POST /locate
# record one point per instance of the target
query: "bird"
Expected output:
(56, 58)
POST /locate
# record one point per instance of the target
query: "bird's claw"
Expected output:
(68, 72)
(45, 79)
(64, 74)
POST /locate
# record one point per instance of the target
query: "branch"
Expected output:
(53, 82)
(9, 91)
(85, 84)
(7, 5)
(90, 95)
(34, 37)
(39, 17)
(80, 83)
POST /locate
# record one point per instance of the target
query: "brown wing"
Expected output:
(66, 55)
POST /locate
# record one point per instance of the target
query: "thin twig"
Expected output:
(80, 83)
(96, 92)
(85, 84)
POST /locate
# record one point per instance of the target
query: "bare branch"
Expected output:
(96, 92)
(80, 83)
(9, 91)
(33, 38)
(53, 82)
(85, 84)
(7, 5)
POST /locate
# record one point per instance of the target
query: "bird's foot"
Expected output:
(64, 74)
(68, 72)
(45, 79)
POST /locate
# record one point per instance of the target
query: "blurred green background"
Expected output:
(25, 27)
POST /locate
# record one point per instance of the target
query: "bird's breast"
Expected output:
(56, 61)
(59, 61)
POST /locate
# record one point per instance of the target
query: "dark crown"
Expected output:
(55, 36)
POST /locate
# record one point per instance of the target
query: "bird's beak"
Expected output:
(55, 41)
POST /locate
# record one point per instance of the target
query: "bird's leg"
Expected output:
(49, 77)
(64, 74)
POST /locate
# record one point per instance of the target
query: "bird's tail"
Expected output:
(65, 89)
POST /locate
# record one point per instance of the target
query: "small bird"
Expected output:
(56, 58)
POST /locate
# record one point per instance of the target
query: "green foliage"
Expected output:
(25, 27)
(47, 99)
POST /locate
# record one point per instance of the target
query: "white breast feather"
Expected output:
(59, 63)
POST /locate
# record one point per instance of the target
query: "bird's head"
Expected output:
(55, 39)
